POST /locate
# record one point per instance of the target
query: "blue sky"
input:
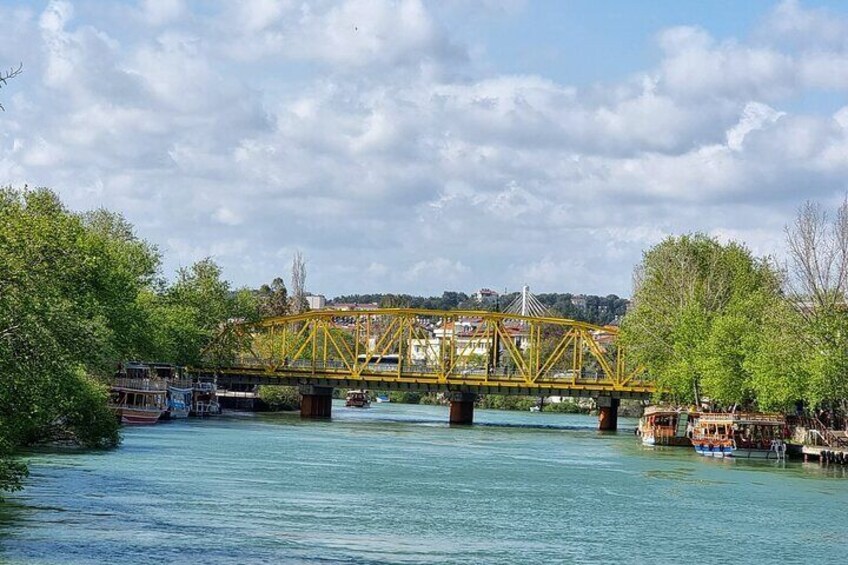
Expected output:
(414, 146)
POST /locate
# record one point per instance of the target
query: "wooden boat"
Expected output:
(746, 435)
(666, 426)
(138, 400)
(358, 399)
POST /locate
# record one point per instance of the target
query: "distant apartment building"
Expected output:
(485, 296)
(579, 301)
(316, 301)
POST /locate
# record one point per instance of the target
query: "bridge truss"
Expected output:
(431, 350)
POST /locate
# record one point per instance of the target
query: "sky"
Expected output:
(411, 147)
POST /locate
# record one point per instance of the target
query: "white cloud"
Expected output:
(161, 12)
(754, 117)
(362, 133)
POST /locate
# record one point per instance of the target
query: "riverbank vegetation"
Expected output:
(712, 321)
(80, 293)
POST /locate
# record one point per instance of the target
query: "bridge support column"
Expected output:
(316, 402)
(462, 407)
(608, 413)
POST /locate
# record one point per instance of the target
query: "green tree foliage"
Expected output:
(697, 313)
(189, 315)
(273, 298)
(66, 296)
(280, 398)
(601, 310)
(79, 294)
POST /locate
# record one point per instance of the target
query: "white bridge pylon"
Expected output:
(525, 304)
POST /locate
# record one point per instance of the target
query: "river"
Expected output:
(396, 484)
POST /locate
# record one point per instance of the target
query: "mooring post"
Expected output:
(462, 407)
(316, 402)
(608, 413)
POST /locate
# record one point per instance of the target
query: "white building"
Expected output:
(316, 301)
(485, 296)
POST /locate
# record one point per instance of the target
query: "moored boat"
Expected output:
(179, 400)
(358, 399)
(666, 426)
(204, 399)
(137, 400)
(746, 435)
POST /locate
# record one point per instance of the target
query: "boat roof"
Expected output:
(653, 410)
(744, 418)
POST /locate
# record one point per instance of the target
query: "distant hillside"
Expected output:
(599, 310)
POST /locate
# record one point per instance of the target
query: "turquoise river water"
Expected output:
(396, 484)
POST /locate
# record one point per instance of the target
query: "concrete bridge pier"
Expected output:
(608, 413)
(316, 402)
(462, 407)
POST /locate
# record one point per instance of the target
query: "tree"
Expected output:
(67, 287)
(191, 313)
(698, 309)
(818, 253)
(817, 288)
(298, 283)
(6, 76)
(273, 299)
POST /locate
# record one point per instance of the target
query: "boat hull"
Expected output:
(717, 451)
(653, 441)
(137, 417)
(743, 453)
(358, 404)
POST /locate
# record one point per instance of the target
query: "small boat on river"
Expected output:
(746, 435)
(666, 426)
(358, 399)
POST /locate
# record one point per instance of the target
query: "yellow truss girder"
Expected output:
(425, 346)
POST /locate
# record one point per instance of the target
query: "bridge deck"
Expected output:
(424, 382)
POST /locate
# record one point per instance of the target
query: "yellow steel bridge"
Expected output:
(428, 350)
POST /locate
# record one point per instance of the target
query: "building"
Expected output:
(316, 301)
(353, 307)
(485, 296)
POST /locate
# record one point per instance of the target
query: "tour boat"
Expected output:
(138, 401)
(748, 435)
(666, 426)
(358, 399)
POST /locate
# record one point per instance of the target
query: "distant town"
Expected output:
(600, 310)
